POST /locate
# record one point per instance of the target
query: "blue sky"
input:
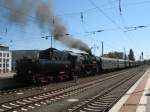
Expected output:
(134, 13)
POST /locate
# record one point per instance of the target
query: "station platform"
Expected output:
(137, 98)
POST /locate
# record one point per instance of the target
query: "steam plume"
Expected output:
(21, 11)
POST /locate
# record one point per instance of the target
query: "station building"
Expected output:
(5, 59)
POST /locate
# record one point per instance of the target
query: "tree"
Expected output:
(117, 55)
(147, 62)
(131, 55)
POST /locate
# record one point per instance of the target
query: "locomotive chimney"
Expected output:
(89, 52)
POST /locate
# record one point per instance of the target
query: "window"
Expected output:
(7, 70)
(7, 54)
(4, 54)
(7, 65)
(7, 60)
(0, 54)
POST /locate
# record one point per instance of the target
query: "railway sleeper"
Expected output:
(2, 110)
(103, 105)
(92, 110)
(99, 102)
(106, 98)
(94, 107)
(13, 104)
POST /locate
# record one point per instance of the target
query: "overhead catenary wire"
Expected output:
(65, 14)
(89, 33)
(83, 11)
(94, 8)
(33, 18)
(102, 12)
(104, 6)
(86, 33)
(123, 22)
(111, 20)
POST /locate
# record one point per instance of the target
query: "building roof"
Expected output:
(4, 48)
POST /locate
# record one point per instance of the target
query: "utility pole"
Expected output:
(142, 56)
(125, 56)
(102, 49)
(51, 40)
(47, 37)
(53, 21)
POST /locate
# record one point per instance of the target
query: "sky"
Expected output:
(103, 15)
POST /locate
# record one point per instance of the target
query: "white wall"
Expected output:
(5, 61)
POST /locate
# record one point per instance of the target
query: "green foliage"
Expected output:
(117, 55)
(25, 57)
(131, 55)
(147, 62)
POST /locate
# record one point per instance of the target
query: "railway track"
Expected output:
(107, 98)
(29, 102)
(25, 90)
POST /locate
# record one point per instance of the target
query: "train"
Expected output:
(54, 65)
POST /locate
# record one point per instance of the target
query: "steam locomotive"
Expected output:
(54, 65)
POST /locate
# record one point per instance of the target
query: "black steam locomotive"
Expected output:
(54, 65)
